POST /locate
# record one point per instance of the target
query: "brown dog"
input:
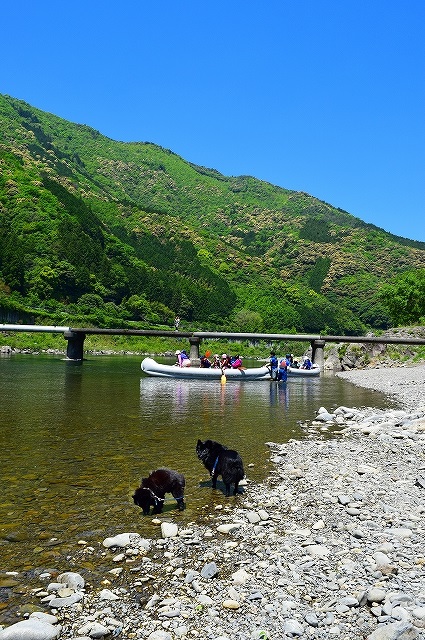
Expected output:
(152, 490)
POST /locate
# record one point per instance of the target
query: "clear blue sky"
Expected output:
(322, 96)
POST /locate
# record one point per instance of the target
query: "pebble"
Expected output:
(240, 577)
(209, 570)
(231, 604)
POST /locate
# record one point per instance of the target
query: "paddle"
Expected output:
(223, 378)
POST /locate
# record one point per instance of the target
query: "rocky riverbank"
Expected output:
(331, 546)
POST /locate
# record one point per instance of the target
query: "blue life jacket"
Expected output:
(282, 373)
(274, 362)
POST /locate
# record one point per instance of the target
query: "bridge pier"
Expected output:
(318, 353)
(194, 342)
(75, 346)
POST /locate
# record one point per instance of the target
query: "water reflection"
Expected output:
(279, 394)
(76, 438)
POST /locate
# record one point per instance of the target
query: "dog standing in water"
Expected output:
(152, 490)
(221, 461)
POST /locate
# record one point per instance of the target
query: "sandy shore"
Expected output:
(330, 546)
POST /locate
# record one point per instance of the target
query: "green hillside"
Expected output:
(98, 231)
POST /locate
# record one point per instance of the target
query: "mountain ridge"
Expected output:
(182, 236)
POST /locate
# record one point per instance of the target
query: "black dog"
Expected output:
(151, 492)
(221, 461)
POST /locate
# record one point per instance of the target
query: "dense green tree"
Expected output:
(247, 321)
(404, 297)
(138, 307)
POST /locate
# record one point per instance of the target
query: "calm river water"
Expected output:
(75, 440)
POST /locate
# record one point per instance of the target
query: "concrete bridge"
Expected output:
(75, 338)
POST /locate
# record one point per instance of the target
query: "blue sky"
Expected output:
(321, 96)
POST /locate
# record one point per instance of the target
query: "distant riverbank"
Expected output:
(405, 384)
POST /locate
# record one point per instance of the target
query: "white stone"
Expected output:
(234, 594)
(253, 517)
(240, 577)
(93, 629)
(31, 629)
(59, 603)
(122, 540)
(204, 599)
(317, 550)
(72, 580)
(159, 634)
(169, 529)
(44, 617)
(399, 532)
(419, 613)
(381, 558)
(363, 469)
(107, 594)
(181, 631)
(376, 595)
(393, 631)
(228, 528)
(231, 544)
(293, 628)
(263, 514)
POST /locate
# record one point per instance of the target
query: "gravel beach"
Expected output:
(330, 546)
(405, 384)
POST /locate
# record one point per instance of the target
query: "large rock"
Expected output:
(32, 629)
(395, 631)
(127, 540)
(72, 580)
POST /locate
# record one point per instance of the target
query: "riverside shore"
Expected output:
(330, 546)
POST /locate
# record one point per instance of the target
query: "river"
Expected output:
(76, 438)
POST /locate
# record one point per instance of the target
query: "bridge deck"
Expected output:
(299, 337)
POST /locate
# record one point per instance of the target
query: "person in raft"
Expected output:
(216, 361)
(237, 362)
(225, 361)
(306, 364)
(204, 362)
(182, 359)
(282, 371)
(273, 365)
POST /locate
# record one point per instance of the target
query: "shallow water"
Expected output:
(76, 438)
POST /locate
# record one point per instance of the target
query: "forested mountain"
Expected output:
(98, 231)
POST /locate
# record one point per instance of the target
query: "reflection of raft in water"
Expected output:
(153, 368)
